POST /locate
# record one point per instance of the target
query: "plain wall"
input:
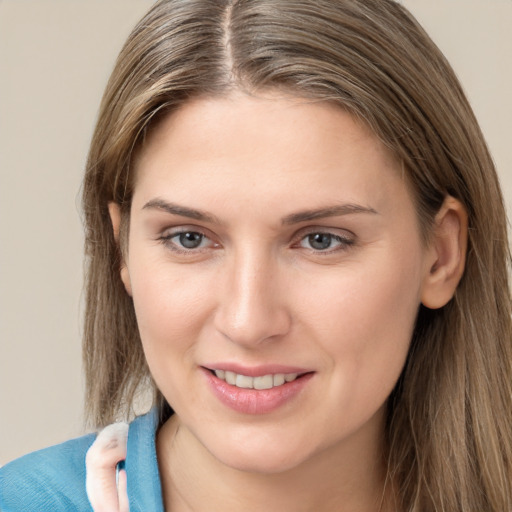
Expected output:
(55, 58)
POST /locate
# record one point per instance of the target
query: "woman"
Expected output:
(296, 237)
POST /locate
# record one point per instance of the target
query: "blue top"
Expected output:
(53, 479)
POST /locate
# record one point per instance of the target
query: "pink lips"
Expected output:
(252, 401)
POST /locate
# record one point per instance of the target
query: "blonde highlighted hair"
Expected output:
(449, 425)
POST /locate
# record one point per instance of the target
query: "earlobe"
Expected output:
(446, 254)
(114, 210)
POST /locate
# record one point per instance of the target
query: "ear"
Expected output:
(114, 210)
(446, 254)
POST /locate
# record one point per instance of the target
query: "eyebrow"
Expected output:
(331, 211)
(182, 211)
(294, 218)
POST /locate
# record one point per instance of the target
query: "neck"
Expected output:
(348, 478)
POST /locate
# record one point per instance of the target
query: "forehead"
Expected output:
(267, 144)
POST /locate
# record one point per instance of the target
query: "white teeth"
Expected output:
(279, 379)
(264, 382)
(231, 378)
(242, 381)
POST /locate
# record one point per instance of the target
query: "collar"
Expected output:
(144, 489)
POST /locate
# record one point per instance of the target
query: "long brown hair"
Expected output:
(450, 416)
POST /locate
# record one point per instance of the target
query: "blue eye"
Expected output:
(189, 239)
(186, 241)
(324, 242)
(320, 241)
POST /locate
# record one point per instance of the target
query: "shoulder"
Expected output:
(52, 479)
(144, 491)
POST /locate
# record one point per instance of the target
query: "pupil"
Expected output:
(191, 240)
(320, 241)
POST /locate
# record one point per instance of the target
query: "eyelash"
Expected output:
(344, 242)
(173, 246)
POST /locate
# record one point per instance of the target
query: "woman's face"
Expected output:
(274, 244)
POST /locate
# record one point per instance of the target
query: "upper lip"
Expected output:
(256, 371)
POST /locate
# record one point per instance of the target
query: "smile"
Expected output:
(264, 382)
(268, 389)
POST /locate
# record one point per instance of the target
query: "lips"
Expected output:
(256, 390)
(256, 371)
(247, 382)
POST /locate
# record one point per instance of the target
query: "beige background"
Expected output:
(55, 57)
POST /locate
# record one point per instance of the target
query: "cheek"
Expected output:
(364, 324)
(369, 302)
(171, 305)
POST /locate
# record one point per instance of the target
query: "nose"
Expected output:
(252, 307)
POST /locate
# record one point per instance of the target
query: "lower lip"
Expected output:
(253, 401)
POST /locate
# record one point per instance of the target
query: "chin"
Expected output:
(259, 457)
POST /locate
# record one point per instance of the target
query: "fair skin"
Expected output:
(272, 235)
